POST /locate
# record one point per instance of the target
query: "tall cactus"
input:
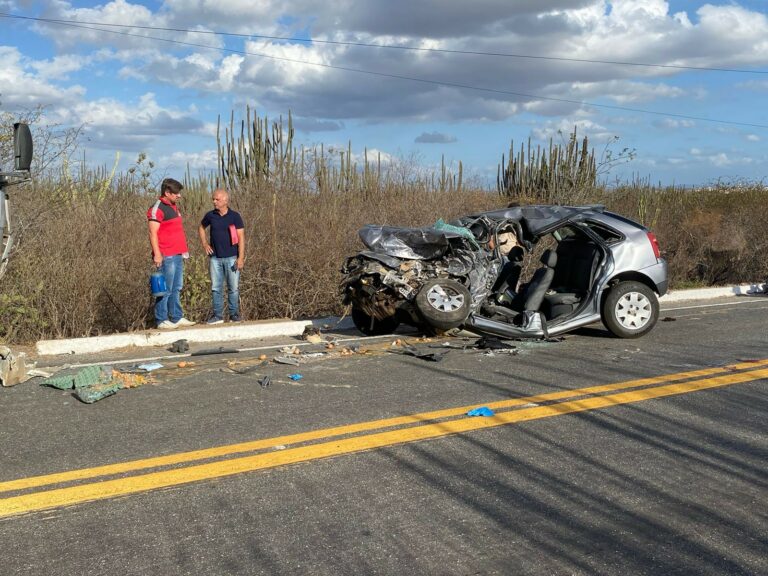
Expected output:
(259, 153)
(262, 155)
(565, 173)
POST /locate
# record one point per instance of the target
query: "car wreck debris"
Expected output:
(149, 366)
(93, 383)
(91, 394)
(290, 360)
(211, 351)
(408, 350)
(492, 343)
(312, 334)
(180, 346)
(13, 367)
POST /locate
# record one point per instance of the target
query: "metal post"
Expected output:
(5, 226)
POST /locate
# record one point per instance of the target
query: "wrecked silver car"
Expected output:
(593, 265)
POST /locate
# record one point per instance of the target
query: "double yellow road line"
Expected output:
(113, 480)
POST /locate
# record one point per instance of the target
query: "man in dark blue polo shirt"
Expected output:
(227, 254)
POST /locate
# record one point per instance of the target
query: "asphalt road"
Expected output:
(604, 456)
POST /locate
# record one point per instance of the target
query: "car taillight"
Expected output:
(654, 244)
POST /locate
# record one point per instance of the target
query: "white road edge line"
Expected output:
(712, 305)
(144, 359)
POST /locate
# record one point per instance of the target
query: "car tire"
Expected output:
(371, 326)
(630, 310)
(444, 303)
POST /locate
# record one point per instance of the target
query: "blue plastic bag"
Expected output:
(482, 411)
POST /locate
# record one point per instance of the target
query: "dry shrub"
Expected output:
(83, 260)
(709, 236)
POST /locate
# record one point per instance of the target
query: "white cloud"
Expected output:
(674, 123)
(563, 128)
(244, 16)
(111, 124)
(720, 159)
(117, 12)
(309, 125)
(300, 77)
(205, 160)
(374, 155)
(630, 30)
(25, 83)
(435, 138)
(59, 67)
(195, 71)
(207, 129)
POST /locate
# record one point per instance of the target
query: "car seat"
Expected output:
(506, 284)
(531, 297)
(577, 264)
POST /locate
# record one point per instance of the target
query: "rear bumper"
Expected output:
(658, 275)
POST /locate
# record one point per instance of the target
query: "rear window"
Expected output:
(609, 235)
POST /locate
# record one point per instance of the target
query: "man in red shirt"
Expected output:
(169, 250)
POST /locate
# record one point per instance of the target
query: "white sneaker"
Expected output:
(167, 325)
(184, 322)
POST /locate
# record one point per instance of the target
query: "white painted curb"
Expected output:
(719, 292)
(271, 328)
(218, 334)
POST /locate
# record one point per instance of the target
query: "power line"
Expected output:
(392, 46)
(420, 80)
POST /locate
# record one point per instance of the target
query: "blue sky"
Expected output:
(133, 92)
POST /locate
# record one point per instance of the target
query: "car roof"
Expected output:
(538, 218)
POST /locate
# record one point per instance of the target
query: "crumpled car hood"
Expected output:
(407, 243)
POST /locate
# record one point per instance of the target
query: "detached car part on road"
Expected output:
(599, 266)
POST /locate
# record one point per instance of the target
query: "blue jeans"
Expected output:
(221, 269)
(168, 307)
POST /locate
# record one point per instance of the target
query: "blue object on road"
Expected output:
(295, 377)
(482, 411)
(149, 366)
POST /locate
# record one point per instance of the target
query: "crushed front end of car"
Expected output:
(431, 278)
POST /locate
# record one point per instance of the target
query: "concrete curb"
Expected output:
(719, 292)
(272, 328)
(218, 334)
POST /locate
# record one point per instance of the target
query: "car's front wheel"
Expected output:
(630, 309)
(444, 303)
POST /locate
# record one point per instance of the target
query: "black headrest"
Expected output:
(549, 258)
